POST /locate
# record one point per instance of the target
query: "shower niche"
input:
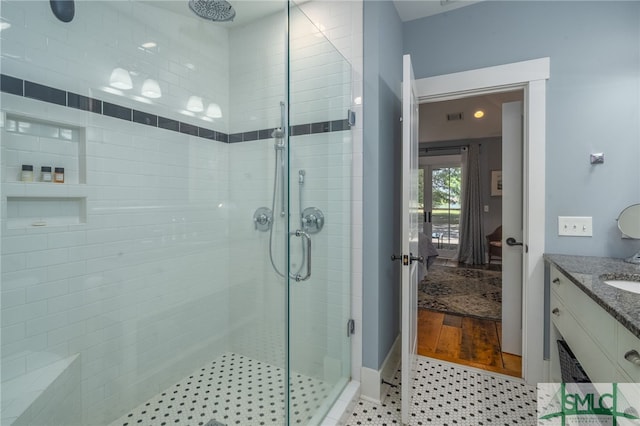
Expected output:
(36, 200)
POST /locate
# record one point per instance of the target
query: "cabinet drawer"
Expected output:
(628, 342)
(560, 284)
(593, 360)
(594, 319)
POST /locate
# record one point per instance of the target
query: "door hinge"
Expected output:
(351, 327)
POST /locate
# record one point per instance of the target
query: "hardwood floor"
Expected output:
(465, 340)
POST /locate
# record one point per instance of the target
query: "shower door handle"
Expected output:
(304, 236)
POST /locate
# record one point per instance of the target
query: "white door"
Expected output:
(512, 248)
(410, 221)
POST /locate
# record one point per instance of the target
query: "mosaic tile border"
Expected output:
(29, 89)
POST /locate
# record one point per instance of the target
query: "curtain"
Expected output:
(471, 244)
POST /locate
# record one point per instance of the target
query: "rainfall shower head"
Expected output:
(214, 10)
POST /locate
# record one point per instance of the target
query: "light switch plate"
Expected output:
(575, 226)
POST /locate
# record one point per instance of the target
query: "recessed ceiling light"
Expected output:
(478, 114)
(149, 45)
(4, 26)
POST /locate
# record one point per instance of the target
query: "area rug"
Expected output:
(462, 291)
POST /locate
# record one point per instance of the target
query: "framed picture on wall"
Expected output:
(496, 183)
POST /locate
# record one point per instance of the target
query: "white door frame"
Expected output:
(530, 76)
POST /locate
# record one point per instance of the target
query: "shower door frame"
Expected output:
(294, 217)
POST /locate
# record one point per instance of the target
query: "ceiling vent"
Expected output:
(455, 116)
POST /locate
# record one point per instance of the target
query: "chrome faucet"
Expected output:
(635, 259)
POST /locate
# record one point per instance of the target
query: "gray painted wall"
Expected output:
(381, 201)
(593, 98)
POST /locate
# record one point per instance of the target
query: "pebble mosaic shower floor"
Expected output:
(446, 394)
(232, 390)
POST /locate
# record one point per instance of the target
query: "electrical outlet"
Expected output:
(575, 226)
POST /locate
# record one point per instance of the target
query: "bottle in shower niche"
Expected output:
(45, 174)
(58, 175)
(27, 173)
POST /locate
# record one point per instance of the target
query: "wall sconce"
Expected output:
(214, 111)
(151, 89)
(120, 79)
(194, 104)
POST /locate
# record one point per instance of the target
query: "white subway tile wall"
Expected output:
(166, 271)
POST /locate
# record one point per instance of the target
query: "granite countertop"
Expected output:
(585, 272)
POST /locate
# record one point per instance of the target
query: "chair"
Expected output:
(438, 237)
(494, 243)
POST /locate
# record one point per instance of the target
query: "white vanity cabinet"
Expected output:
(628, 354)
(597, 339)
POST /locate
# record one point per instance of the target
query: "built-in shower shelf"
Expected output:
(37, 204)
(43, 189)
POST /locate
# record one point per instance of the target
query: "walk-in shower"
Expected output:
(140, 290)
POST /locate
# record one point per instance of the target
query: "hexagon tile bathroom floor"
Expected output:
(232, 390)
(447, 394)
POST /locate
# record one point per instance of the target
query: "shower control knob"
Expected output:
(262, 219)
(312, 220)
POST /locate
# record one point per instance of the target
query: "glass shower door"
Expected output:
(319, 250)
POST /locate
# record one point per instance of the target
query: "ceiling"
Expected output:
(435, 127)
(410, 10)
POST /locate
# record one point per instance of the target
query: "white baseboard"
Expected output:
(371, 380)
